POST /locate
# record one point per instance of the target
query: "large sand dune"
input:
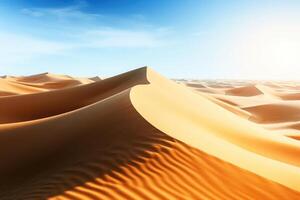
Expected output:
(139, 135)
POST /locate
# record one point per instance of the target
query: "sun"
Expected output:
(270, 49)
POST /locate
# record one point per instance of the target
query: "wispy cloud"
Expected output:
(76, 36)
(17, 48)
(110, 37)
(15, 44)
(96, 35)
(72, 11)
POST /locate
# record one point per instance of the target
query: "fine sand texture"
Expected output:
(139, 135)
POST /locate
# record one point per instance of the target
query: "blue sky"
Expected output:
(178, 38)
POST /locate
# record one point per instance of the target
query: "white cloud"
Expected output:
(32, 12)
(17, 48)
(73, 11)
(98, 36)
(109, 37)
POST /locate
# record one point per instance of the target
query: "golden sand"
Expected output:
(139, 135)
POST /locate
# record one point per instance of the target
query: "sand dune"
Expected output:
(10, 85)
(275, 112)
(251, 90)
(139, 135)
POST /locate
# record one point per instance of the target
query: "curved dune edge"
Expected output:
(44, 82)
(201, 124)
(40, 105)
(242, 113)
(251, 90)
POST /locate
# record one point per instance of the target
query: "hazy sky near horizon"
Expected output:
(258, 39)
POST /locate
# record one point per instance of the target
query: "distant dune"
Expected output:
(139, 135)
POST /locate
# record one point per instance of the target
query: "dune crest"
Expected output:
(138, 135)
(16, 85)
(198, 115)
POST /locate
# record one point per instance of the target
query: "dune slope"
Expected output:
(138, 135)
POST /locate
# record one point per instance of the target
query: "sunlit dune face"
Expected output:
(270, 50)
